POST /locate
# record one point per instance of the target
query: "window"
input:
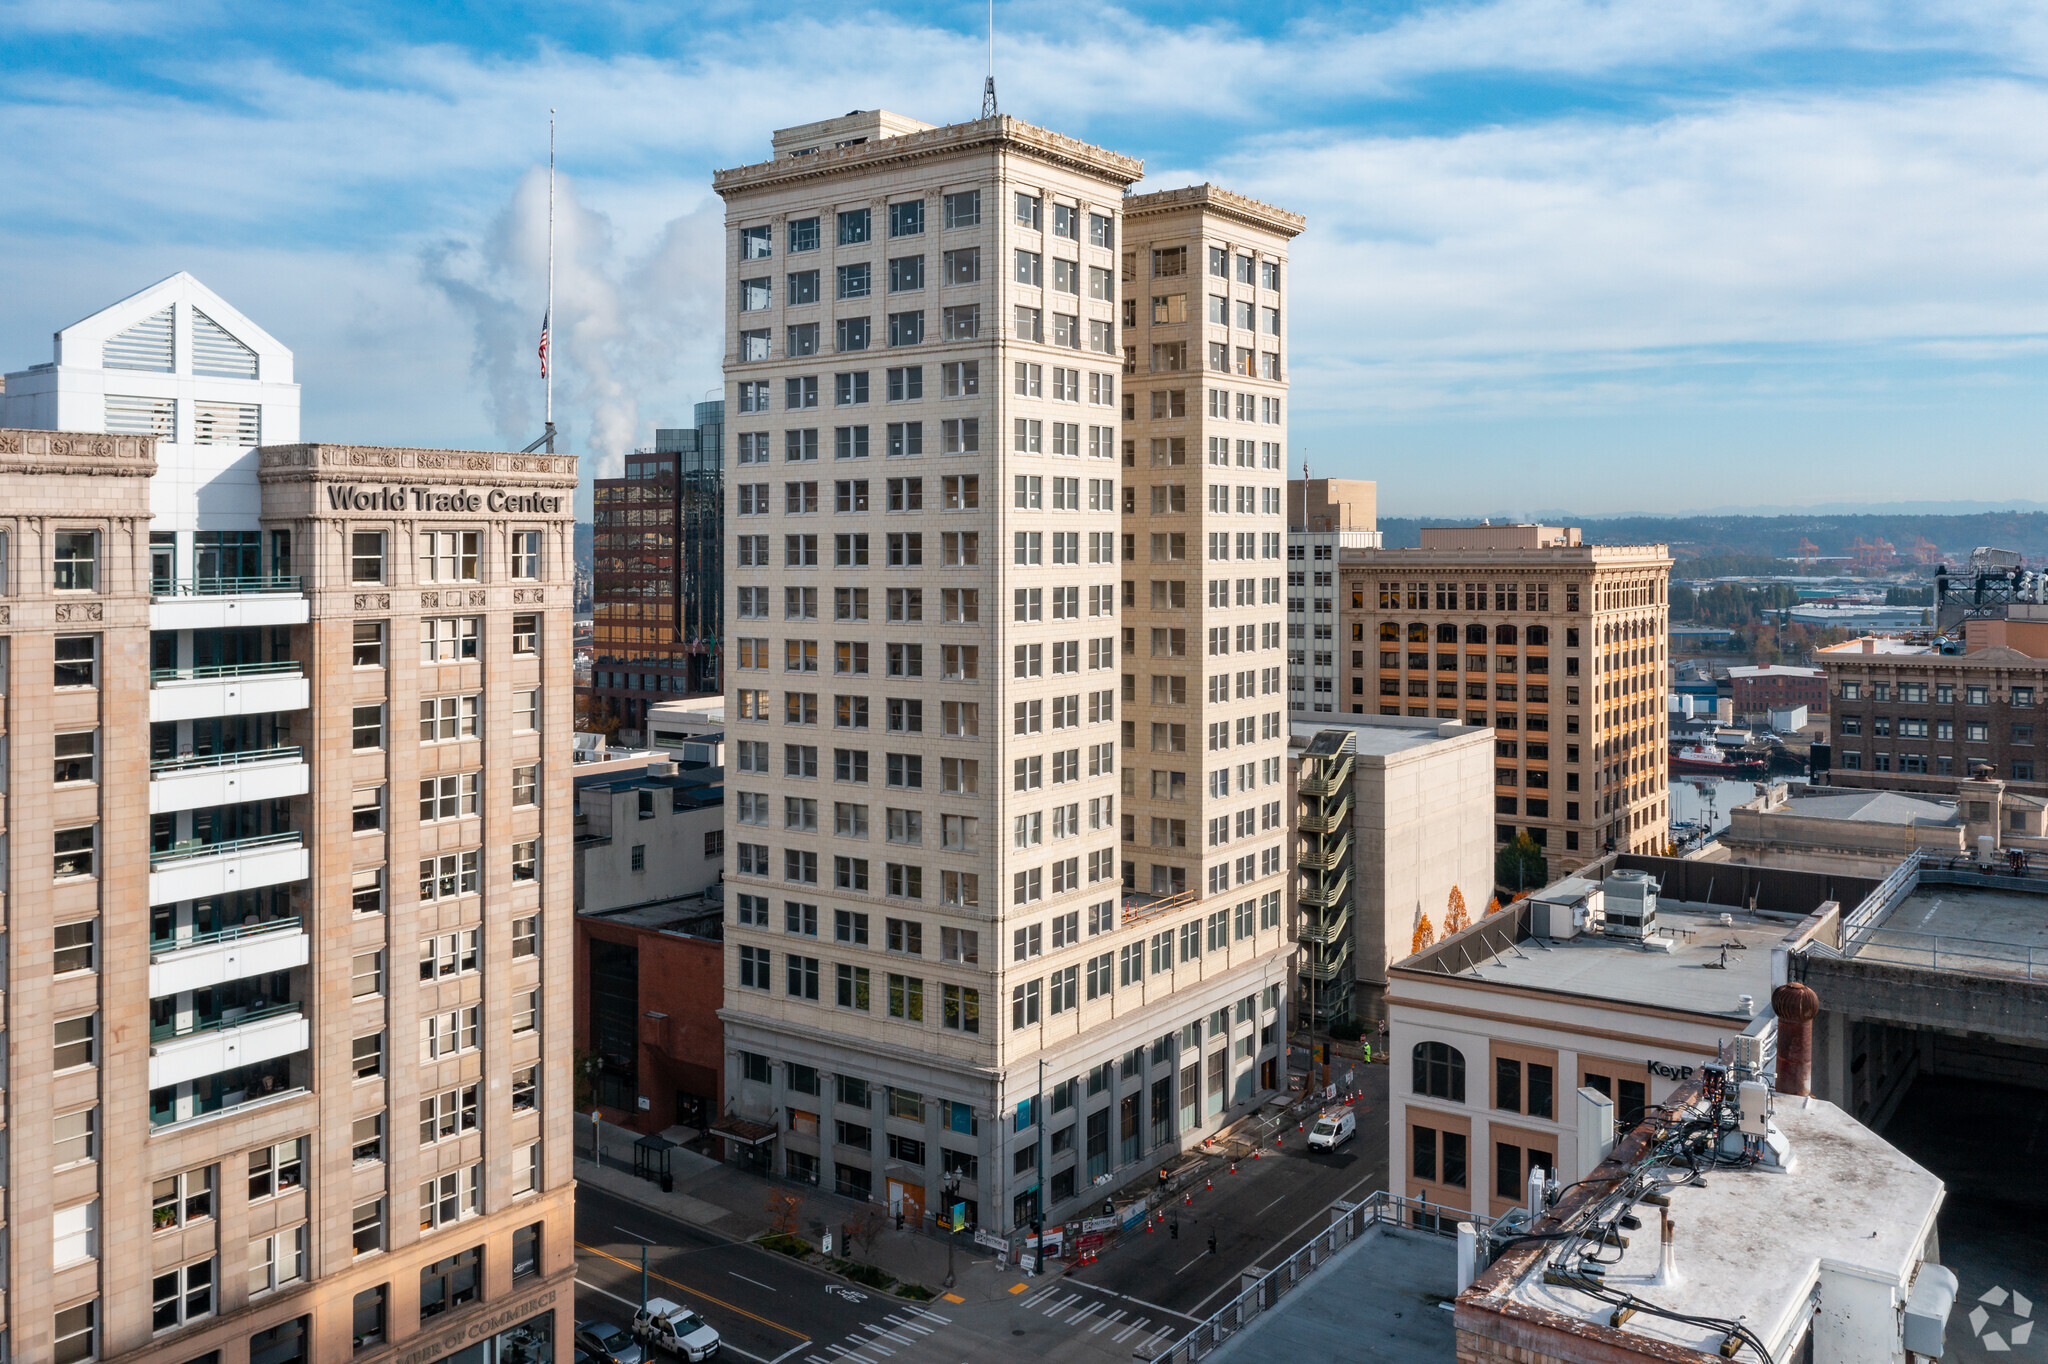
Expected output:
(448, 639)
(525, 634)
(450, 556)
(276, 1261)
(448, 875)
(526, 936)
(367, 1056)
(75, 1138)
(77, 756)
(181, 1295)
(455, 1281)
(366, 556)
(77, 660)
(525, 784)
(449, 797)
(278, 1169)
(73, 948)
(75, 560)
(445, 1199)
(1439, 1071)
(449, 717)
(369, 644)
(367, 1222)
(367, 975)
(366, 1139)
(526, 560)
(75, 1040)
(181, 1199)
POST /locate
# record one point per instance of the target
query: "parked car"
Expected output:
(676, 1329)
(1332, 1128)
(605, 1343)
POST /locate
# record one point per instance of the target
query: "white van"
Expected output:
(1332, 1128)
(676, 1329)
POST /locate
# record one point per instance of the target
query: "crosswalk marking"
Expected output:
(1158, 1339)
(908, 1325)
(1121, 1336)
(1099, 1327)
(848, 1354)
(1038, 1298)
(1075, 1320)
(1063, 1304)
(929, 1316)
(885, 1331)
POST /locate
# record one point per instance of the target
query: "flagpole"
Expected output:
(549, 367)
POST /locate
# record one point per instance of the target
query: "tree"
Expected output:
(782, 1212)
(1455, 919)
(1519, 865)
(1425, 934)
(863, 1230)
(1493, 906)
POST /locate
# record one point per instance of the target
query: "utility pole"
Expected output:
(1038, 1115)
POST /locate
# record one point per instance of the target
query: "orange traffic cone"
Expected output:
(1188, 1199)
(1255, 1153)
(1233, 1167)
(1280, 1140)
(1208, 1185)
(1148, 1226)
(1299, 1128)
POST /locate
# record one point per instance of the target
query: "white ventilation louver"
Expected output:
(216, 353)
(227, 424)
(146, 345)
(142, 416)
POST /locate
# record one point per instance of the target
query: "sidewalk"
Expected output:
(733, 1203)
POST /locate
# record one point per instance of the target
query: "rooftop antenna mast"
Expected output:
(988, 87)
(547, 373)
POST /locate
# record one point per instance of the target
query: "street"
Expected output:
(1143, 1293)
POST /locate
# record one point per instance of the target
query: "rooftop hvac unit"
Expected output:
(1631, 904)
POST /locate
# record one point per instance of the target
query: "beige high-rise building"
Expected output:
(1559, 646)
(933, 919)
(275, 1097)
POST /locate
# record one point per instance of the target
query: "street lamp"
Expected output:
(952, 1187)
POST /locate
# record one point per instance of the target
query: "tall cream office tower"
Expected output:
(286, 868)
(942, 903)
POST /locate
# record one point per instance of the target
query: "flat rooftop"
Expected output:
(1870, 807)
(1707, 969)
(1752, 1243)
(1380, 1298)
(1980, 929)
(692, 916)
(1381, 735)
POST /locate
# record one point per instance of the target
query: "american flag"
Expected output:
(544, 345)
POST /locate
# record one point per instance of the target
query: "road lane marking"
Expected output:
(895, 1320)
(1099, 1327)
(1092, 1307)
(1281, 1199)
(934, 1316)
(787, 1353)
(635, 1235)
(1190, 1264)
(695, 1293)
(1063, 1304)
(755, 1282)
(885, 1331)
(849, 1354)
(1034, 1301)
(723, 1344)
(1140, 1324)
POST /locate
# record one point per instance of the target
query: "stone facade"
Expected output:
(1560, 647)
(258, 815)
(929, 927)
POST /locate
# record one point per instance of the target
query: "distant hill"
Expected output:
(1778, 537)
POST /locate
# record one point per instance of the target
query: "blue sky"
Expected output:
(1606, 257)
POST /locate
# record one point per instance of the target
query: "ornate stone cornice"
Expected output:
(1001, 131)
(381, 463)
(77, 452)
(1217, 201)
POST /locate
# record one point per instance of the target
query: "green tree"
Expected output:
(1519, 865)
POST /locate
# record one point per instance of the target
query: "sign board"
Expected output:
(826, 1244)
(985, 1238)
(1089, 1240)
(1094, 1224)
(1053, 1239)
(1133, 1215)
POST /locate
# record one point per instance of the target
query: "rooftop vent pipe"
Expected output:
(1796, 1006)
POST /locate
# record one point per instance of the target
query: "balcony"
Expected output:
(1329, 819)
(1328, 857)
(236, 1038)
(226, 603)
(1330, 966)
(195, 870)
(226, 779)
(204, 960)
(230, 689)
(1327, 778)
(1327, 894)
(1337, 929)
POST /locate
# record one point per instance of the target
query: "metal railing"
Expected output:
(1892, 889)
(193, 848)
(162, 947)
(1139, 906)
(219, 670)
(1904, 947)
(171, 1032)
(1380, 1209)
(225, 587)
(239, 758)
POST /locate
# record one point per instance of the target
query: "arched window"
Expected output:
(1418, 632)
(1390, 633)
(1539, 635)
(1475, 634)
(1447, 634)
(1504, 634)
(1440, 1071)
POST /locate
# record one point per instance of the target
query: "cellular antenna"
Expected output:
(988, 87)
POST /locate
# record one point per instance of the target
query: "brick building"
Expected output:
(1777, 686)
(1907, 717)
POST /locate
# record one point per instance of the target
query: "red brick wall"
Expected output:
(683, 978)
(1753, 694)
